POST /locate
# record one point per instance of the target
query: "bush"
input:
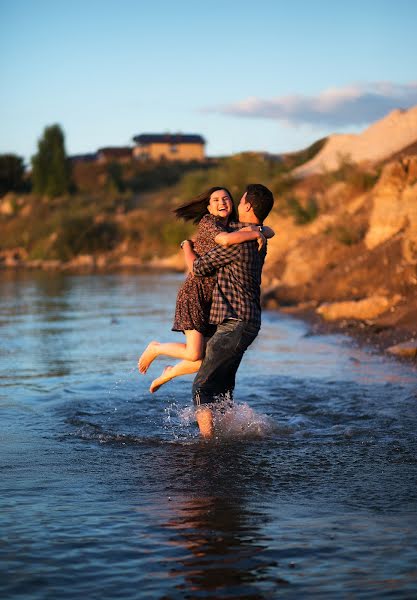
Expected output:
(296, 159)
(282, 184)
(11, 173)
(234, 172)
(151, 175)
(301, 214)
(350, 173)
(175, 231)
(349, 236)
(51, 173)
(115, 177)
(82, 235)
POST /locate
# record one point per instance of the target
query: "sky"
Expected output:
(264, 75)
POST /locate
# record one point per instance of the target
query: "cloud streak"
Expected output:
(357, 104)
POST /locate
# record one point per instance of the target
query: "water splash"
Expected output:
(236, 421)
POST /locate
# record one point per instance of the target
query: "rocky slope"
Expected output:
(381, 140)
(355, 266)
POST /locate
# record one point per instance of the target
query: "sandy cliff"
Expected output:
(380, 141)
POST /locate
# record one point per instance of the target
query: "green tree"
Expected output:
(51, 174)
(11, 173)
(115, 176)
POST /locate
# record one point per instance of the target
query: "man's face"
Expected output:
(243, 207)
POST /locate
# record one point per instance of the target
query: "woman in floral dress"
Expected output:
(212, 210)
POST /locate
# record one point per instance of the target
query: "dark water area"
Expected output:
(308, 490)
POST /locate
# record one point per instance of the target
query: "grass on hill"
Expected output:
(130, 206)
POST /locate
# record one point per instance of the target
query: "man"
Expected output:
(236, 309)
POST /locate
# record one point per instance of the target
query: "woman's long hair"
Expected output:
(196, 209)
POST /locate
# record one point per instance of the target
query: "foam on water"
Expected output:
(235, 421)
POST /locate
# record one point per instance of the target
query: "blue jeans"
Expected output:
(215, 380)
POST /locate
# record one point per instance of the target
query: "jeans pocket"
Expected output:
(247, 336)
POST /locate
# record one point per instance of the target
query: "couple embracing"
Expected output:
(218, 305)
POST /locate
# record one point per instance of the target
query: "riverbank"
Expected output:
(16, 259)
(394, 334)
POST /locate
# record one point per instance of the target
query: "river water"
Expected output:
(308, 490)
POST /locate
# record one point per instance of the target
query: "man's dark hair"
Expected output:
(261, 199)
(197, 208)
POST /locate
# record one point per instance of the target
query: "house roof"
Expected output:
(169, 138)
(115, 151)
(89, 157)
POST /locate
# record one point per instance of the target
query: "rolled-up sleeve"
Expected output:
(211, 262)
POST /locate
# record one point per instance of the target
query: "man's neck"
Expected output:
(250, 220)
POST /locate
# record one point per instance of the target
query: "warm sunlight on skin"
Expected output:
(204, 418)
(220, 204)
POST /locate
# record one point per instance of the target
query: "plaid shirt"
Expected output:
(237, 291)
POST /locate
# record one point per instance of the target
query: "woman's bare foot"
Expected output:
(163, 378)
(148, 356)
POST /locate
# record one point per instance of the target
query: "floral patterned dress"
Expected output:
(192, 310)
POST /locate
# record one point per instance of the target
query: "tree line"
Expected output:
(50, 175)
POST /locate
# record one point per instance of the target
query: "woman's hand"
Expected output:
(261, 241)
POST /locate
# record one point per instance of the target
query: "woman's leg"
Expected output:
(185, 367)
(192, 350)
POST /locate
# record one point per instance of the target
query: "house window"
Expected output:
(174, 149)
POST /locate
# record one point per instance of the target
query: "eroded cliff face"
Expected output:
(378, 142)
(358, 259)
(394, 210)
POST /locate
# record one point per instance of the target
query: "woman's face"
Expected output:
(220, 204)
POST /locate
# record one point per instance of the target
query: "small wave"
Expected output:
(95, 434)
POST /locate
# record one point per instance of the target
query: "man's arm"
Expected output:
(268, 232)
(215, 259)
(246, 234)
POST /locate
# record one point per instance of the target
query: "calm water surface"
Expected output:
(107, 492)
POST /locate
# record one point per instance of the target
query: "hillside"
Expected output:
(380, 141)
(344, 254)
(355, 265)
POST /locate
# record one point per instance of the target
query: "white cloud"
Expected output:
(357, 104)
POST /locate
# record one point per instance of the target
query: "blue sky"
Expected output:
(267, 75)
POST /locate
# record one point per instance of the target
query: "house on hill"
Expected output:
(114, 154)
(169, 146)
(90, 157)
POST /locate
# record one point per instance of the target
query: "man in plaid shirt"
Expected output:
(236, 309)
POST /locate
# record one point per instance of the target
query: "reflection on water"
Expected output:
(218, 546)
(309, 488)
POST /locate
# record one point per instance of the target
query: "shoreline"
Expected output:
(88, 263)
(398, 342)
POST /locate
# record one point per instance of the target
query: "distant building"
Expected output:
(114, 154)
(83, 158)
(169, 146)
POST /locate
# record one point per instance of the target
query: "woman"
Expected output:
(212, 210)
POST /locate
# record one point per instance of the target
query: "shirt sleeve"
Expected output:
(215, 259)
(211, 226)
